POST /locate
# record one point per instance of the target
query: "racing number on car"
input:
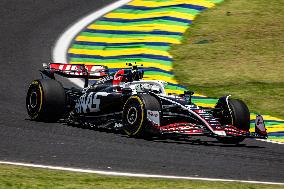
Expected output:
(89, 102)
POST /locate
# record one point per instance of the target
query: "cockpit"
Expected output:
(154, 86)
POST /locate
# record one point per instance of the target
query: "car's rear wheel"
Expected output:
(45, 100)
(238, 115)
(135, 113)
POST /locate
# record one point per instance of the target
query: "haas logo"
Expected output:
(89, 102)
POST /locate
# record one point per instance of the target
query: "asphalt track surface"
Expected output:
(28, 32)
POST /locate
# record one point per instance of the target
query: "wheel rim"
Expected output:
(132, 115)
(33, 99)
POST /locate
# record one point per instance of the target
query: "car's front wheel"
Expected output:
(134, 115)
(237, 114)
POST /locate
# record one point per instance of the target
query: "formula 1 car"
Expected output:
(123, 100)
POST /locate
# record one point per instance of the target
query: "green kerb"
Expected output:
(158, 21)
(171, 9)
(126, 46)
(105, 35)
(121, 60)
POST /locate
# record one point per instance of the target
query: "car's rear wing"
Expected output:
(90, 71)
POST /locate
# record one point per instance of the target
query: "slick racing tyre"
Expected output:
(238, 115)
(45, 100)
(134, 114)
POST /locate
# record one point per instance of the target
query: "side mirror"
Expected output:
(188, 93)
(187, 96)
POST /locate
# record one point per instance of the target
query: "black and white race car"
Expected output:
(124, 101)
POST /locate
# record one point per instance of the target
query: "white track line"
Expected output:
(270, 141)
(60, 48)
(110, 173)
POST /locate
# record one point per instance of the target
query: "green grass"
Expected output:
(236, 48)
(23, 177)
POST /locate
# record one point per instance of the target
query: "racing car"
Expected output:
(122, 100)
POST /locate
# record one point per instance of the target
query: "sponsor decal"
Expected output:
(259, 125)
(220, 133)
(153, 116)
(118, 77)
(105, 79)
(78, 69)
(89, 102)
(118, 125)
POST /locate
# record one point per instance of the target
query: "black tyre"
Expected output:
(135, 113)
(238, 115)
(241, 114)
(45, 100)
